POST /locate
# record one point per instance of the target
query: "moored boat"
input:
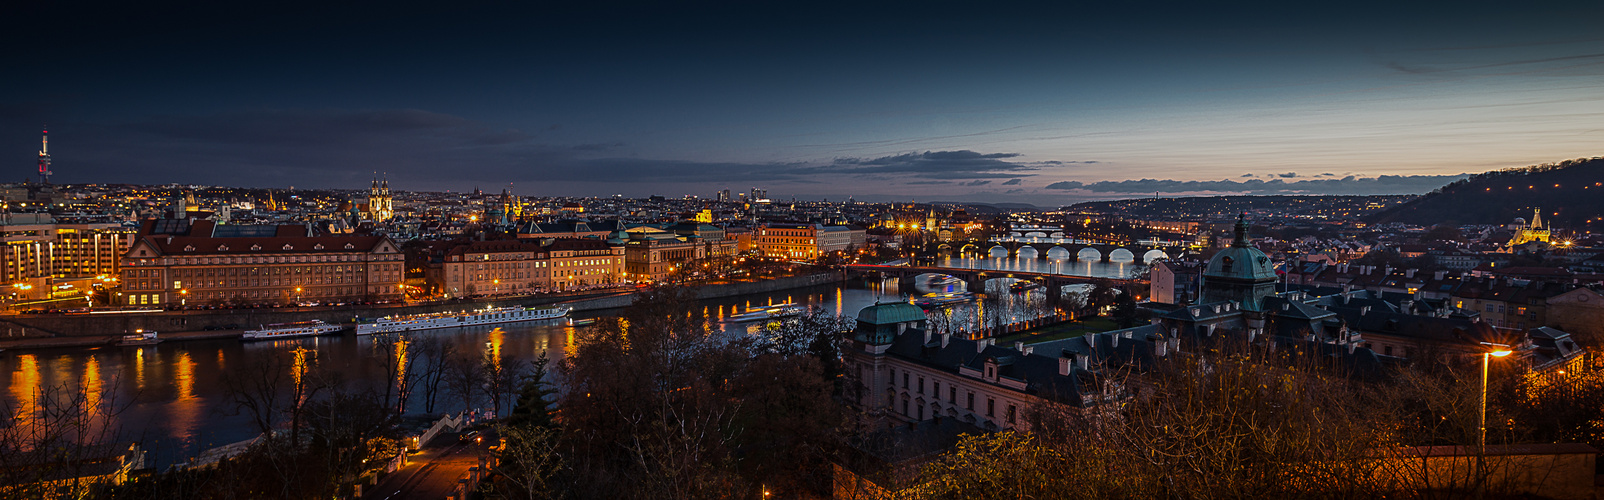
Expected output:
(765, 313)
(138, 338)
(290, 330)
(487, 316)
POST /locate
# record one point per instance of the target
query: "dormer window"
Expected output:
(256, 247)
(187, 248)
(349, 246)
(288, 246)
(319, 246)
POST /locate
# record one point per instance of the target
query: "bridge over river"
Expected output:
(1061, 249)
(975, 279)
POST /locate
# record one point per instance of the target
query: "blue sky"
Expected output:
(912, 100)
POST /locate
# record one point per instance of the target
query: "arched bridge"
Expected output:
(976, 279)
(1063, 251)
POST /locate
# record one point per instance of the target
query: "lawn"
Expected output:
(1060, 331)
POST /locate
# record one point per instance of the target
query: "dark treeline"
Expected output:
(1569, 192)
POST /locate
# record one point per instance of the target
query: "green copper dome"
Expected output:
(890, 314)
(1241, 261)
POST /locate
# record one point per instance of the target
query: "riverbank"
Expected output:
(86, 330)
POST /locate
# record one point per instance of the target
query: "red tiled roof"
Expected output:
(191, 245)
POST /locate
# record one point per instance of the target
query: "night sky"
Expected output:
(977, 101)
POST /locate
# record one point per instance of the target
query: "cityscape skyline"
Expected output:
(1047, 106)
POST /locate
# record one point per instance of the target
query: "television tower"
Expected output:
(44, 158)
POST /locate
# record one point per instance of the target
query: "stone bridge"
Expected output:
(978, 248)
(975, 279)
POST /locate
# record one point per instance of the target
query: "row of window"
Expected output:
(952, 397)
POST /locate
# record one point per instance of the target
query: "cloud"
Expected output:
(926, 183)
(1328, 174)
(1350, 185)
(976, 183)
(1247, 175)
(1013, 182)
(962, 164)
(1287, 175)
(1014, 191)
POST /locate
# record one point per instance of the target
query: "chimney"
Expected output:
(980, 345)
(1064, 362)
(1082, 360)
(944, 338)
(1019, 345)
(1440, 275)
(1115, 340)
(927, 336)
(1029, 349)
(1387, 271)
(1410, 273)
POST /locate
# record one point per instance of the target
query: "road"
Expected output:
(432, 474)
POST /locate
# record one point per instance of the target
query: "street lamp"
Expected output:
(183, 297)
(297, 296)
(1498, 351)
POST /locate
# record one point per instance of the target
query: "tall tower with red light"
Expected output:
(44, 159)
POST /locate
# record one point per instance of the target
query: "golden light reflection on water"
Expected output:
(497, 336)
(298, 367)
(186, 407)
(93, 385)
(25, 388)
(400, 361)
(139, 368)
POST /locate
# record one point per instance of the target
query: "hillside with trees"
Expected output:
(1570, 193)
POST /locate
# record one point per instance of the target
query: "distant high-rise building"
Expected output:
(44, 158)
(724, 195)
(760, 195)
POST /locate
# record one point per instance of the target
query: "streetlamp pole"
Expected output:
(1500, 351)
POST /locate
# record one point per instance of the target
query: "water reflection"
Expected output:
(177, 405)
(25, 387)
(186, 408)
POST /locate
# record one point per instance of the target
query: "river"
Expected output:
(173, 399)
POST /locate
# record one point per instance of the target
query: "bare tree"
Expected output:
(465, 376)
(435, 354)
(397, 356)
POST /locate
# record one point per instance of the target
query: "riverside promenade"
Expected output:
(31, 331)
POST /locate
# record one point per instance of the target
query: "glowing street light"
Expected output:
(1499, 351)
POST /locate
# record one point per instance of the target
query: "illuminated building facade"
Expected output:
(196, 262)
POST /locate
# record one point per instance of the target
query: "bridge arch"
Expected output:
(1059, 253)
(968, 249)
(998, 252)
(1121, 255)
(1089, 254)
(1035, 234)
(1028, 252)
(1154, 255)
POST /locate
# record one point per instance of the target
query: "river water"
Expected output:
(172, 397)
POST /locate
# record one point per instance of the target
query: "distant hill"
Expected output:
(1570, 193)
(992, 208)
(1226, 207)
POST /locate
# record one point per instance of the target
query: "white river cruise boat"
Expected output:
(287, 330)
(489, 316)
(777, 311)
